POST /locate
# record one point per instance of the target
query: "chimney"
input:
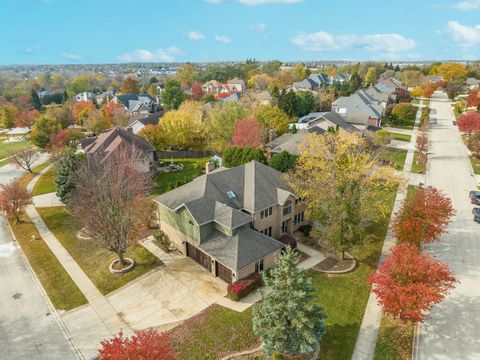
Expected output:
(271, 135)
(209, 166)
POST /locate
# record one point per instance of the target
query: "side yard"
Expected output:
(93, 259)
(46, 183)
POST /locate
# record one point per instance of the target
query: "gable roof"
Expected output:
(150, 119)
(359, 107)
(112, 139)
(134, 102)
(305, 84)
(254, 187)
(241, 249)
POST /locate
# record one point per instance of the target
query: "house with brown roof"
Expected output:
(116, 140)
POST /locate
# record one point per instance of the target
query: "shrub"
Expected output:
(306, 229)
(425, 116)
(243, 287)
(162, 240)
(382, 137)
(403, 113)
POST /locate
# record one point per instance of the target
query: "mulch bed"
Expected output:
(332, 264)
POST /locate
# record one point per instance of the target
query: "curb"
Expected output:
(54, 311)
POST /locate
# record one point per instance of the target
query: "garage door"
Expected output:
(199, 256)
(223, 272)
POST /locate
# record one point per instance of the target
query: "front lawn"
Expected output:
(94, 260)
(400, 137)
(218, 331)
(475, 164)
(60, 288)
(214, 332)
(25, 179)
(395, 340)
(395, 157)
(46, 183)
(7, 147)
(417, 168)
(168, 181)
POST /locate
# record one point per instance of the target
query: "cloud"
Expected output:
(324, 41)
(257, 2)
(32, 50)
(468, 5)
(195, 35)
(261, 27)
(159, 55)
(466, 36)
(71, 56)
(223, 38)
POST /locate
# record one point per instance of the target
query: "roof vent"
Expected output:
(231, 195)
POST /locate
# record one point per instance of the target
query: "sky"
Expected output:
(118, 31)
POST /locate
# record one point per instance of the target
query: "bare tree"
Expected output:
(13, 199)
(109, 198)
(24, 158)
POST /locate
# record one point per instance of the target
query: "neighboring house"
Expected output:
(137, 104)
(304, 85)
(320, 79)
(105, 97)
(433, 78)
(259, 97)
(43, 93)
(381, 93)
(116, 139)
(137, 124)
(325, 121)
(227, 220)
(290, 142)
(235, 97)
(84, 96)
(236, 84)
(473, 83)
(214, 87)
(339, 78)
(359, 109)
(392, 84)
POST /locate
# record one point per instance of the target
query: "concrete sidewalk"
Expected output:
(368, 333)
(105, 311)
(47, 200)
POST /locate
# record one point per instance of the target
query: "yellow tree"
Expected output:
(344, 185)
(182, 129)
(272, 117)
(449, 71)
(186, 74)
(370, 76)
(129, 86)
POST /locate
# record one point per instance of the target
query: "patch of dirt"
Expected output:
(333, 264)
(117, 266)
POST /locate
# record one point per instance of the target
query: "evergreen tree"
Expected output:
(173, 95)
(286, 320)
(65, 180)
(283, 161)
(354, 83)
(37, 104)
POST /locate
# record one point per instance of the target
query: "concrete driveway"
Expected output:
(161, 298)
(453, 329)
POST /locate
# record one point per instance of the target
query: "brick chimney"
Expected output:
(209, 166)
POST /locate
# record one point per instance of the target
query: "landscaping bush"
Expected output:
(382, 137)
(403, 114)
(306, 229)
(162, 240)
(241, 288)
(425, 116)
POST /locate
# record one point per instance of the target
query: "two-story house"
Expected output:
(228, 219)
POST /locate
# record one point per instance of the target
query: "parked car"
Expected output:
(476, 214)
(474, 197)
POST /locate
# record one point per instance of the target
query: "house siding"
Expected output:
(183, 222)
(269, 261)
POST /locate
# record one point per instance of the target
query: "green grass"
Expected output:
(400, 137)
(93, 259)
(416, 167)
(395, 340)
(168, 181)
(411, 189)
(219, 331)
(394, 156)
(7, 147)
(475, 164)
(46, 183)
(58, 285)
(214, 332)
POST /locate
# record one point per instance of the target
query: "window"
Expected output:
(298, 201)
(287, 208)
(285, 226)
(259, 266)
(267, 231)
(298, 218)
(266, 213)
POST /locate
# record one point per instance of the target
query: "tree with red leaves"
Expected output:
(469, 122)
(248, 132)
(26, 118)
(473, 98)
(409, 282)
(13, 199)
(197, 91)
(423, 217)
(146, 345)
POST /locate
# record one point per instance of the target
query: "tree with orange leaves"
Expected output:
(409, 282)
(248, 132)
(81, 110)
(473, 98)
(424, 217)
(428, 89)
